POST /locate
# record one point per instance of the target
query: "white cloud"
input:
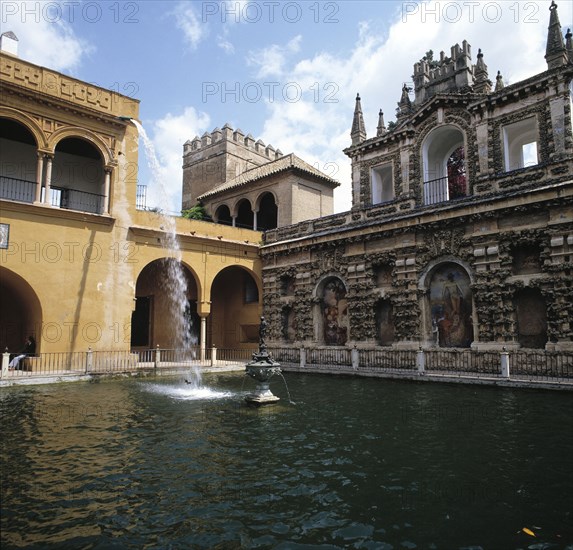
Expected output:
(168, 135)
(381, 62)
(270, 61)
(45, 34)
(194, 29)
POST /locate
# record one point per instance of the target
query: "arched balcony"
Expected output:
(78, 177)
(444, 167)
(18, 162)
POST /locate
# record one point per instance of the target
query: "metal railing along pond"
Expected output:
(518, 364)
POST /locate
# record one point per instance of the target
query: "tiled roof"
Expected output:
(288, 162)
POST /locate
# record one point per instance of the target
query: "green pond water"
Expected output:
(355, 463)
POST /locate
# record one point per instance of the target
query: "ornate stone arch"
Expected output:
(82, 133)
(448, 309)
(31, 125)
(330, 312)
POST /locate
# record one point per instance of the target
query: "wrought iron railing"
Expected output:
(519, 365)
(17, 190)
(72, 199)
(444, 189)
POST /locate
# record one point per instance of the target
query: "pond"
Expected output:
(355, 463)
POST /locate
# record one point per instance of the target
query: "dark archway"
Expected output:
(245, 216)
(158, 317)
(20, 314)
(18, 162)
(234, 319)
(223, 215)
(267, 217)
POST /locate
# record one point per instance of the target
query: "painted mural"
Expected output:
(451, 306)
(335, 313)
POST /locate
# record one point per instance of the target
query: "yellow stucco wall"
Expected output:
(77, 272)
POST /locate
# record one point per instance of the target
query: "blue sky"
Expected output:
(286, 72)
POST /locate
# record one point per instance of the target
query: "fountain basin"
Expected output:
(262, 368)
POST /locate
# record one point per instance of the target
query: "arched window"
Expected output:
(223, 215)
(245, 216)
(267, 214)
(18, 162)
(78, 176)
(443, 157)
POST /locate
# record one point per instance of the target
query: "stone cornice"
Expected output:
(476, 206)
(54, 213)
(193, 238)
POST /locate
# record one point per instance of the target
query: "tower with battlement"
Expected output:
(220, 156)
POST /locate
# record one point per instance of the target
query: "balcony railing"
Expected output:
(141, 197)
(17, 190)
(71, 199)
(443, 190)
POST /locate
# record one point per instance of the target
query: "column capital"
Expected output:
(203, 309)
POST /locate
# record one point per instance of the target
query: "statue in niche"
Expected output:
(450, 298)
(335, 313)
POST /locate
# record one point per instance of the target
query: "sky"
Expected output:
(285, 72)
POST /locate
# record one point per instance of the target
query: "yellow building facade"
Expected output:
(80, 266)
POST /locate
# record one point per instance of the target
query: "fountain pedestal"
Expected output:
(262, 368)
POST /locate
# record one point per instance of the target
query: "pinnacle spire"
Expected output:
(358, 133)
(381, 129)
(405, 104)
(555, 53)
(499, 85)
(482, 84)
(569, 45)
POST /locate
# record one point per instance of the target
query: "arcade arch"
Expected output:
(235, 309)
(20, 314)
(157, 305)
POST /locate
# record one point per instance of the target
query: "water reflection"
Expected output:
(357, 463)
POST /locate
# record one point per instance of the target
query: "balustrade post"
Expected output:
(302, 357)
(421, 361)
(48, 181)
(89, 360)
(5, 362)
(355, 358)
(213, 356)
(157, 357)
(504, 357)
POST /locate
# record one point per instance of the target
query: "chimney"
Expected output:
(9, 43)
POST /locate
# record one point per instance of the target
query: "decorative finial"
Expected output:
(381, 129)
(358, 132)
(555, 52)
(499, 85)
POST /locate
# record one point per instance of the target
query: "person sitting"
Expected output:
(29, 349)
